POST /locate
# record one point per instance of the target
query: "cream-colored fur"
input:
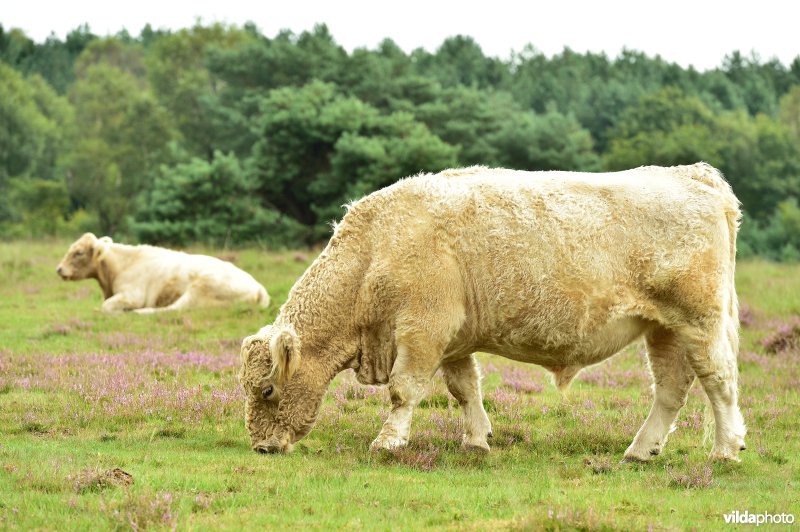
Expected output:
(558, 269)
(148, 279)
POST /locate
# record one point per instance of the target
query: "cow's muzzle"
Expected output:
(272, 445)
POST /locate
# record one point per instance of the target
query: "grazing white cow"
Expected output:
(148, 279)
(558, 269)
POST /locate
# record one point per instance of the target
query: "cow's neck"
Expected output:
(108, 265)
(321, 305)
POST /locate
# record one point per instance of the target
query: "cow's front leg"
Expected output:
(122, 302)
(463, 378)
(408, 382)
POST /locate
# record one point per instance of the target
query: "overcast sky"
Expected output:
(696, 32)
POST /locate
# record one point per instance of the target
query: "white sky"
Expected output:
(696, 32)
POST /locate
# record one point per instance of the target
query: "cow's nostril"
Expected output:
(58, 270)
(266, 447)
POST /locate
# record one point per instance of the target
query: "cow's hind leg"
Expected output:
(463, 379)
(672, 376)
(187, 300)
(714, 362)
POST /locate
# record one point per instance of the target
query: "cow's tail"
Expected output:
(262, 297)
(712, 177)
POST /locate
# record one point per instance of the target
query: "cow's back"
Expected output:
(164, 275)
(553, 257)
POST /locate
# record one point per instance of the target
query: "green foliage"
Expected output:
(666, 128)
(35, 124)
(758, 155)
(459, 61)
(789, 114)
(777, 238)
(43, 203)
(464, 117)
(314, 126)
(124, 134)
(15, 46)
(550, 141)
(365, 160)
(209, 202)
(113, 52)
(758, 91)
(317, 149)
(53, 60)
(34, 121)
(184, 86)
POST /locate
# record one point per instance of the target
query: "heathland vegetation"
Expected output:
(222, 135)
(131, 422)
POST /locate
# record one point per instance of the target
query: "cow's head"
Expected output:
(282, 392)
(80, 262)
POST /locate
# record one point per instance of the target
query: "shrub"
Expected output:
(209, 202)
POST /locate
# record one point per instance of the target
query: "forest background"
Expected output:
(222, 136)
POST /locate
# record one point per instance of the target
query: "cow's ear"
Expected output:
(100, 247)
(252, 347)
(284, 350)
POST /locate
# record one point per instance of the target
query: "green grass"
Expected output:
(82, 393)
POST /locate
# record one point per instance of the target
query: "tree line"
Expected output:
(222, 135)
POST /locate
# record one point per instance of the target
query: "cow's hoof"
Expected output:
(475, 444)
(719, 456)
(640, 453)
(633, 459)
(387, 443)
(481, 449)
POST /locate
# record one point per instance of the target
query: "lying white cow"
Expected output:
(149, 279)
(558, 269)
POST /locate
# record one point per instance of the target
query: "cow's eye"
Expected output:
(78, 253)
(266, 392)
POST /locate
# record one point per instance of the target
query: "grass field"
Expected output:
(130, 421)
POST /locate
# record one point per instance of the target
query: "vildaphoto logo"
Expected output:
(747, 518)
